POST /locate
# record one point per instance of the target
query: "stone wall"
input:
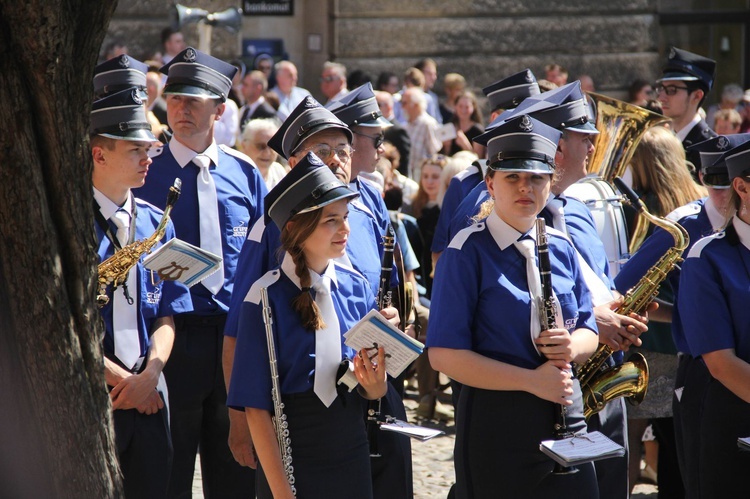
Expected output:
(484, 40)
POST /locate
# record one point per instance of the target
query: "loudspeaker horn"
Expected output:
(230, 19)
(180, 16)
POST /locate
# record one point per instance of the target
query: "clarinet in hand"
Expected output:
(384, 300)
(547, 320)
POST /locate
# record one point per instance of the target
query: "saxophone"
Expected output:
(280, 423)
(114, 270)
(599, 383)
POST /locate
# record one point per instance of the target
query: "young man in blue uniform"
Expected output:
(686, 80)
(139, 328)
(222, 196)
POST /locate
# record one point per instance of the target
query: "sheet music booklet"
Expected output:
(177, 260)
(419, 432)
(582, 448)
(374, 331)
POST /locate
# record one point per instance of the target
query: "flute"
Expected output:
(547, 311)
(280, 423)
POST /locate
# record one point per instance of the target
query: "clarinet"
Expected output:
(280, 423)
(547, 311)
(384, 300)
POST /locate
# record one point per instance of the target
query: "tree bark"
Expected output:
(55, 412)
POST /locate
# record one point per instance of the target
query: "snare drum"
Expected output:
(606, 207)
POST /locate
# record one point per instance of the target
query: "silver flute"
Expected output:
(281, 425)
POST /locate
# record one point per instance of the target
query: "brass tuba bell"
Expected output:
(621, 126)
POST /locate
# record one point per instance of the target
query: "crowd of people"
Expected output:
(295, 196)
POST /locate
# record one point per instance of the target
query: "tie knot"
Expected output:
(202, 161)
(121, 219)
(527, 247)
(322, 285)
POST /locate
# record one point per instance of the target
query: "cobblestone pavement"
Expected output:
(432, 463)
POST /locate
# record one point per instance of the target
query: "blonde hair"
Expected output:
(456, 164)
(293, 236)
(659, 166)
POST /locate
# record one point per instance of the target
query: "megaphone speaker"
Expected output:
(180, 16)
(230, 19)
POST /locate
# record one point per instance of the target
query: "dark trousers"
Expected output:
(200, 418)
(693, 377)
(497, 448)
(723, 465)
(669, 477)
(612, 474)
(144, 450)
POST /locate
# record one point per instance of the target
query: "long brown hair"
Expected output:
(659, 166)
(476, 116)
(293, 236)
(421, 198)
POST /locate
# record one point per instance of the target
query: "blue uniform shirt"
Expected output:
(370, 197)
(696, 219)
(480, 299)
(460, 186)
(295, 346)
(714, 293)
(261, 253)
(584, 235)
(467, 209)
(154, 301)
(240, 190)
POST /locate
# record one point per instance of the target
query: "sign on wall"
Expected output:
(268, 7)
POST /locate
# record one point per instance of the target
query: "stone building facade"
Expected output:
(484, 40)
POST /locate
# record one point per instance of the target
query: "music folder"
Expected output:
(582, 448)
(177, 260)
(374, 331)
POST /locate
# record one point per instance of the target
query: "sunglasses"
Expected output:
(377, 139)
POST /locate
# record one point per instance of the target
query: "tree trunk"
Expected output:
(56, 437)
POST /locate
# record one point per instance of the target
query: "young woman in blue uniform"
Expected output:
(328, 439)
(713, 301)
(699, 218)
(482, 331)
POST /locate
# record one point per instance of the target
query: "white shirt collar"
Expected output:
(184, 155)
(287, 266)
(743, 231)
(108, 208)
(686, 130)
(503, 234)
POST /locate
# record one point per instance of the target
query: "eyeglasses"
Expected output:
(669, 89)
(324, 152)
(328, 79)
(377, 140)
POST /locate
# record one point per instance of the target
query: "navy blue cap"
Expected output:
(522, 144)
(686, 66)
(359, 108)
(737, 160)
(120, 73)
(121, 116)
(307, 119)
(563, 108)
(712, 150)
(511, 91)
(308, 186)
(195, 74)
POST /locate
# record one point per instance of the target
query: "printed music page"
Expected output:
(178, 260)
(374, 331)
(581, 448)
